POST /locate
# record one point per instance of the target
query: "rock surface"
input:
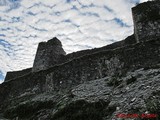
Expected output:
(98, 84)
(102, 99)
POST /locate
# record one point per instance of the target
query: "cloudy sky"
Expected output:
(79, 24)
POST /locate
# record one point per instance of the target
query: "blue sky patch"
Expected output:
(31, 13)
(3, 35)
(135, 1)
(4, 43)
(108, 9)
(16, 19)
(120, 22)
(68, 1)
(1, 77)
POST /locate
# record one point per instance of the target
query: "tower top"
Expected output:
(54, 41)
(48, 54)
(146, 17)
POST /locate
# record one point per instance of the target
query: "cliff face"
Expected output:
(95, 84)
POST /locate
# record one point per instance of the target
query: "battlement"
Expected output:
(146, 17)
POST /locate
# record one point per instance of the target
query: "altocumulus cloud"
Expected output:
(79, 24)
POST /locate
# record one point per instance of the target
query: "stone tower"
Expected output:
(48, 54)
(146, 17)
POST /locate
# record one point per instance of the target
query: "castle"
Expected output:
(146, 18)
(53, 70)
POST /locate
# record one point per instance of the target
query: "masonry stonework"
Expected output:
(122, 75)
(53, 70)
(48, 54)
(146, 17)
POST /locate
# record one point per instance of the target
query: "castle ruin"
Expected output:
(48, 87)
(54, 70)
(146, 18)
(48, 54)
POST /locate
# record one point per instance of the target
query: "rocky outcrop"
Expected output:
(100, 84)
(137, 92)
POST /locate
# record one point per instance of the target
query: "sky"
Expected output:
(79, 24)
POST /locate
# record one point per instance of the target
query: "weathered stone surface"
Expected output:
(98, 65)
(93, 100)
(16, 74)
(146, 17)
(96, 84)
(48, 54)
(128, 41)
(106, 63)
(65, 58)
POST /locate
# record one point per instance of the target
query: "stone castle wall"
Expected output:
(64, 58)
(53, 70)
(16, 74)
(128, 41)
(90, 67)
(146, 17)
(102, 64)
